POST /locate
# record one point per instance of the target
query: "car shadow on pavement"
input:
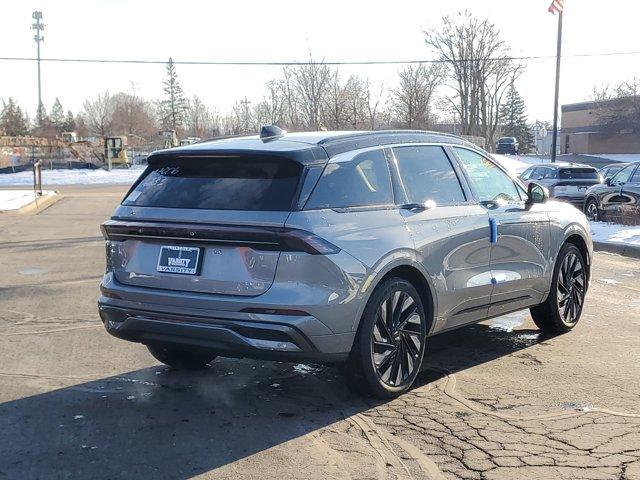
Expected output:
(158, 423)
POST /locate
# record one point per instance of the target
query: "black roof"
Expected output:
(309, 147)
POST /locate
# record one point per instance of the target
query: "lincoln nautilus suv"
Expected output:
(348, 248)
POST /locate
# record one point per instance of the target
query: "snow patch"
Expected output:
(515, 164)
(614, 233)
(75, 177)
(16, 199)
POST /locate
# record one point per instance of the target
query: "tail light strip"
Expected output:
(259, 238)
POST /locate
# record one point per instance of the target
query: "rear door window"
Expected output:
(427, 174)
(262, 184)
(363, 181)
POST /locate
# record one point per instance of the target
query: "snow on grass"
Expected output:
(614, 233)
(516, 164)
(74, 177)
(15, 199)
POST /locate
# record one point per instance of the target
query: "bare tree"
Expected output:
(372, 102)
(202, 121)
(311, 84)
(411, 100)
(271, 109)
(132, 115)
(98, 114)
(480, 70)
(621, 113)
(356, 91)
(335, 103)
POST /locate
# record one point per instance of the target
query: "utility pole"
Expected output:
(557, 6)
(245, 107)
(38, 26)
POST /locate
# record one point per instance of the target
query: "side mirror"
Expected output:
(607, 181)
(537, 193)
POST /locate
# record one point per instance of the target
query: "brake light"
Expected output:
(302, 241)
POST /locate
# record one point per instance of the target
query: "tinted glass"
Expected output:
(218, 184)
(527, 173)
(578, 173)
(363, 181)
(427, 174)
(636, 177)
(538, 173)
(623, 175)
(490, 182)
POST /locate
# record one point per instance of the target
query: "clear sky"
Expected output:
(285, 30)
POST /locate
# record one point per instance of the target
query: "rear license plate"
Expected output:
(179, 259)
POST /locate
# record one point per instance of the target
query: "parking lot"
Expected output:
(495, 400)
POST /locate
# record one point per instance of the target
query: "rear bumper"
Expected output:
(233, 338)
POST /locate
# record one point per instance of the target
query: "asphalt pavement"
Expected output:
(495, 400)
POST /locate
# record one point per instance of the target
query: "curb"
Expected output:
(632, 251)
(35, 207)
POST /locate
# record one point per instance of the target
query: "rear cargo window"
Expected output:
(363, 181)
(219, 184)
(578, 173)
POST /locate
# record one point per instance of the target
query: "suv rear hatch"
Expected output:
(211, 223)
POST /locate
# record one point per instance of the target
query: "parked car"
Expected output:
(567, 182)
(610, 170)
(617, 198)
(507, 145)
(333, 247)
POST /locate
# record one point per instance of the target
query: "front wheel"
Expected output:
(591, 210)
(563, 307)
(180, 359)
(390, 343)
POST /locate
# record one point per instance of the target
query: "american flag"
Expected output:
(556, 6)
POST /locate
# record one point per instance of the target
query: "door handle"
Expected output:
(493, 230)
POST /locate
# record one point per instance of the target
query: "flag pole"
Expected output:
(554, 140)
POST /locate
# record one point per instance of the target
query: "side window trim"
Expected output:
(515, 181)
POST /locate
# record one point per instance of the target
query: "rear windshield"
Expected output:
(581, 173)
(507, 140)
(218, 184)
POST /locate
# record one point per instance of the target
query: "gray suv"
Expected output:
(334, 247)
(565, 181)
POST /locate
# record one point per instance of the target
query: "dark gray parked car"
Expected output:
(347, 248)
(618, 198)
(565, 181)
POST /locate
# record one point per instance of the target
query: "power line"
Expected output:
(292, 63)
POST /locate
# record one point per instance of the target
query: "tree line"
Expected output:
(468, 88)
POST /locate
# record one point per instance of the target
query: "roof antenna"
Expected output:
(271, 132)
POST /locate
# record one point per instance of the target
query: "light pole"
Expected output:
(38, 26)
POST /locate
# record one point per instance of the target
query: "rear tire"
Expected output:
(563, 307)
(180, 359)
(389, 347)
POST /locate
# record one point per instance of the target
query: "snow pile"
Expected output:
(15, 199)
(617, 157)
(613, 233)
(515, 164)
(74, 177)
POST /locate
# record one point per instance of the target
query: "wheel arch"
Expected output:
(579, 241)
(414, 273)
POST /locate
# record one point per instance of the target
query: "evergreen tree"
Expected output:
(513, 114)
(57, 115)
(69, 122)
(174, 105)
(12, 121)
